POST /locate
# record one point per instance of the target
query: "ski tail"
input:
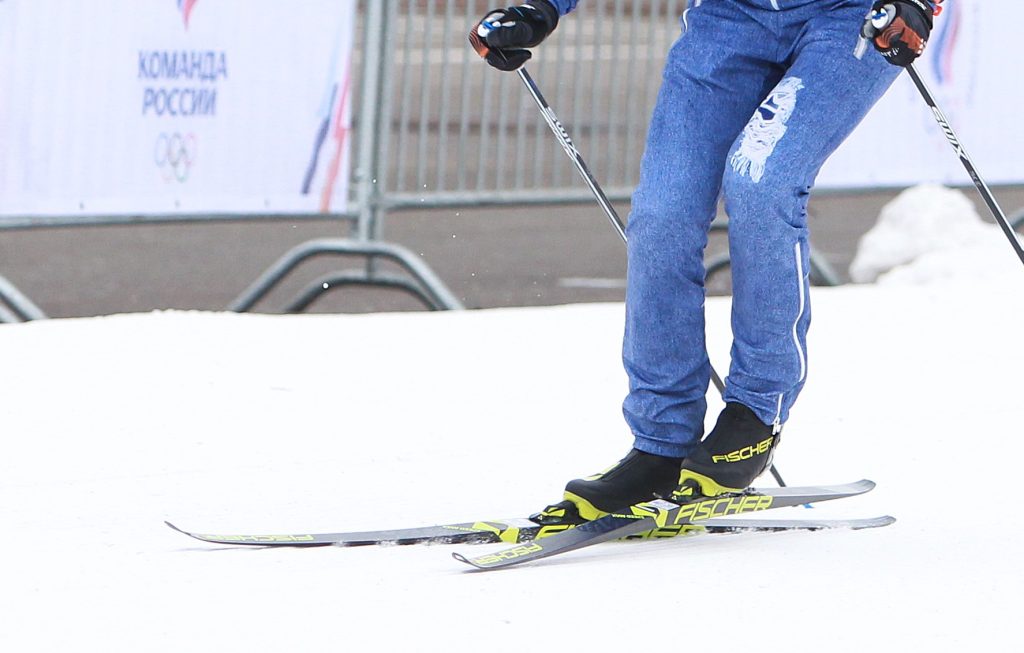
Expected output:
(297, 539)
(781, 525)
(509, 531)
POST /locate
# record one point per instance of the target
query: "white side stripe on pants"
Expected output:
(800, 313)
(796, 338)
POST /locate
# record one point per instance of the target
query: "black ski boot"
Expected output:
(738, 450)
(636, 478)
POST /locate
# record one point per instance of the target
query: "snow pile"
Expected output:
(930, 233)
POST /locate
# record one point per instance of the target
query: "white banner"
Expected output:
(977, 76)
(174, 106)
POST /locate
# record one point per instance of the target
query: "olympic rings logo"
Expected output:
(174, 155)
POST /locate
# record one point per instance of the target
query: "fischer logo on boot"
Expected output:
(746, 453)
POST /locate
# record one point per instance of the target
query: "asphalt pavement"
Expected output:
(514, 256)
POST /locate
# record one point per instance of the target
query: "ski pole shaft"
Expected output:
(986, 194)
(570, 149)
(563, 137)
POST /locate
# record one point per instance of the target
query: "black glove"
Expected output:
(901, 29)
(502, 35)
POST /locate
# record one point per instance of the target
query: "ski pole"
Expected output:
(876, 22)
(986, 194)
(570, 149)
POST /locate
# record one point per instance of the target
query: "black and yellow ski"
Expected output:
(660, 514)
(515, 531)
(518, 531)
(481, 532)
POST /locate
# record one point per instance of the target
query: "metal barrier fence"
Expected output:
(461, 132)
(434, 126)
(439, 128)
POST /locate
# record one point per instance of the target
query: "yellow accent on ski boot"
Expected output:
(563, 513)
(737, 451)
(638, 477)
(693, 485)
(586, 510)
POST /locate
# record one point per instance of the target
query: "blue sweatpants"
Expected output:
(756, 94)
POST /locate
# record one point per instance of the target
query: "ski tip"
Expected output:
(469, 561)
(183, 532)
(885, 520)
(857, 487)
(860, 487)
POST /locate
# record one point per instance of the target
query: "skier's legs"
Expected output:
(772, 167)
(715, 76)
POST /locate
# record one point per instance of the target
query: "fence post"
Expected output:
(379, 18)
(22, 308)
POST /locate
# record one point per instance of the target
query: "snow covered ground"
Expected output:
(224, 422)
